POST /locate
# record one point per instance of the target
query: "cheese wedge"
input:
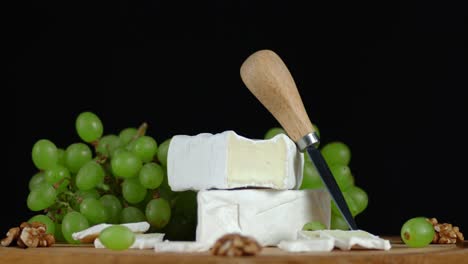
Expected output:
(227, 161)
(269, 216)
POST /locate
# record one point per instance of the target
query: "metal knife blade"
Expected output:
(330, 182)
(267, 77)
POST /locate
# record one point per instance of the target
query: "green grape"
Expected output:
(80, 195)
(272, 132)
(89, 176)
(151, 175)
(145, 148)
(359, 198)
(117, 237)
(355, 198)
(343, 176)
(71, 223)
(94, 211)
(313, 226)
(50, 225)
(132, 191)
(76, 156)
(417, 232)
(44, 154)
(61, 157)
(311, 178)
(127, 135)
(108, 144)
(41, 197)
(89, 127)
(131, 215)
(113, 207)
(57, 173)
(337, 222)
(158, 213)
(336, 153)
(126, 164)
(162, 151)
(58, 233)
(36, 180)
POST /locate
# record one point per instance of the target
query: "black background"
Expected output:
(387, 78)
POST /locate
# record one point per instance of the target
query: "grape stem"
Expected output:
(141, 131)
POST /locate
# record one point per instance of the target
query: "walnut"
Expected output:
(445, 233)
(11, 235)
(232, 245)
(29, 235)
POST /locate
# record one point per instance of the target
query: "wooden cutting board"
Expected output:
(399, 253)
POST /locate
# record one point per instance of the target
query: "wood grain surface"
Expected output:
(87, 254)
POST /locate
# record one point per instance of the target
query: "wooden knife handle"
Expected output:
(268, 78)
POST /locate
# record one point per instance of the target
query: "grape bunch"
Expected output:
(337, 155)
(115, 178)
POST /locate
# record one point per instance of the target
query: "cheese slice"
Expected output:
(227, 160)
(181, 246)
(312, 245)
(346, 240)
(142, 241)
(267, 215)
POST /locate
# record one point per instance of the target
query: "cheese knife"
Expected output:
(267, 77)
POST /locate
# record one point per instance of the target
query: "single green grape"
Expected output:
(314, 225)
(356, 199)
(113, 207)
(145, 148)
(127, 134)
(61, 157)
(36, 180)
(131, 214)
(336, 153)
(89, 127)
(77, 155)
(338, 222)
(41, 197)
(272, 132)
(56, 174)
(311, 178)
(117, 237)
(132, 191)
(44, 154)
(94, 211)
(162, 151)
(158, 212)
(80, 195)
(343, 176)
(126, 164)
(417, 232)
(108, 144)
(89, 176)
(151, 175)
(50, 225)
(71, 223)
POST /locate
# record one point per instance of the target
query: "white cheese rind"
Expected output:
(227, 161)
(347, 240)
(312, 245)
(142, 241)
(181, 246)
(267, 215)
